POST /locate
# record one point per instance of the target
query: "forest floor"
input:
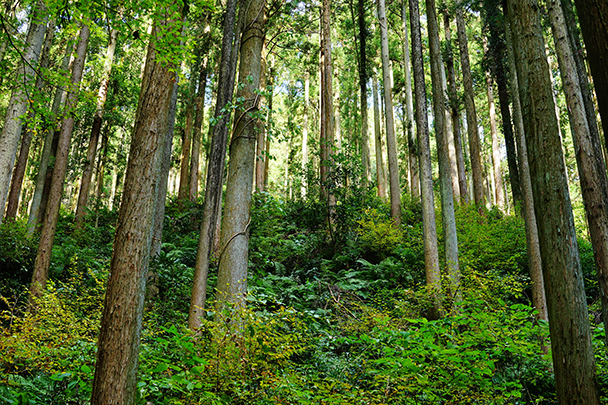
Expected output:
(335, 315)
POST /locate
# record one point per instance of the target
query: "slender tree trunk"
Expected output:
(215, 169)
(119, 337)
(260, 160)
(533, 244)
(305, 134)
(17, 105)
(589, 157)
(363, 79)
(431, 251)
(234, 239)
(49, 226)
(469, 102)
(391, 139)
(454, 111)
(499, 196)
(327, 107)
(87, 172)
(449, 133)
(593, 18)
(447, 199)
(184, 178)
(380, 172)
(196, 133)
(412, 144)
(573, 359)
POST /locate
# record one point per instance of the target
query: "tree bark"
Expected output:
(119, 337)
(380, 171)
(19, 171)
(429, 230)
(87, 171)
(588, 150)
(454, 111)
(532, 243)
(260, 157)
(17, 106)
(499, 195)
(305, 135)
(412, 145)
(391, 139)
(327, 107)
(469, 102)
(215, 168)
(572, 351)
(363, 79)
(196, 132)
(593, 18)
(49, 226)
(184, 177)
(234, 239)
(445, 176)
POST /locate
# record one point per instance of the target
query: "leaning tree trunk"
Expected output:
(572, 351)
(391, 139)
(588, 150)
(539, 299)
(17, 105)
(119, 336)
(215, 168)
(445, 177)
(469, 102)
(234, 239)
(19, 172)
(429, 230)
(49, 226)
(87, 171)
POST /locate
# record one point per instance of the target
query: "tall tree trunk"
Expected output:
(48, 150)
(449, 134)
(327, 107)
(380, 171)
(87, 172)
(445, 177)
(184, 178)
(363, 79)
(469, 102)
(234, 239)
(429, 230)
(49, 226)
(260, 159)
(532, 243)
(412, 145)
(391, 139)
(572, 351)
(196, 132)
(454, 111)
(215, 168)
(305, 134)
(589, 157)
(499, 196)
(119, 336)
(593, 18)
(17, 105)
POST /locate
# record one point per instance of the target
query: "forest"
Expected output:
(288, 202)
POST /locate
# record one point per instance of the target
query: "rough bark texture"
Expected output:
(589, 156)
(499, 194)
(17, 105)
(532, 243)
(327, 106)
(184, 177)
(572, 352)
(412, 145)
(87, 171)
(380, 171)
(119, 336)
(49, 226)
(593, 18)
(429, 230)
(234, 239)
(445, 176)
(391, 139)
(215, 169)
(469, 102)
